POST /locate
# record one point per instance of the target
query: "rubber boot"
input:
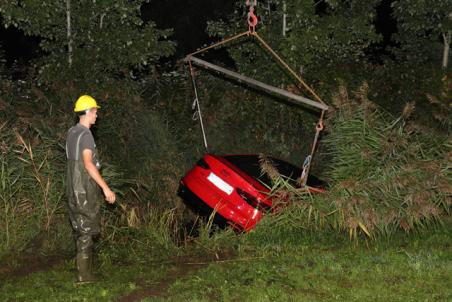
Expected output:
(84, 267)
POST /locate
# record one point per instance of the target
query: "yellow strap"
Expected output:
(227, 40)
(281, 61)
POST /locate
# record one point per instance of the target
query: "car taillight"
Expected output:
(252, 201)
(202, 163)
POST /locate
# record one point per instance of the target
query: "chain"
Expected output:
(251, 3)
(307, 162)
(197, 114)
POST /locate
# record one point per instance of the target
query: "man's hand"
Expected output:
(110, 196)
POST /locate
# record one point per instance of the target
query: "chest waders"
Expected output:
(84, 204)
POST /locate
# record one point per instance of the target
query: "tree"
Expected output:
(313, 36)
(424, 31)
(88, 41)
(340, 32)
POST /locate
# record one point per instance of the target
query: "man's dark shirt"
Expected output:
(85, 139)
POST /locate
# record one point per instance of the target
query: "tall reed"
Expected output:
(32, 186)
(386, 174)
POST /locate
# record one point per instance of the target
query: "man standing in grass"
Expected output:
(83, 185)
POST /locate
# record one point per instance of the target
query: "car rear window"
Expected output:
(250, 165)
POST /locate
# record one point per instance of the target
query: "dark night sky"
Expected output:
(188, 18)
(385, 24)
(17, 46)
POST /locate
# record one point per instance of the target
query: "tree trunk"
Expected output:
(446, 49)
(101, 23)
(69, 32)
(284, 28)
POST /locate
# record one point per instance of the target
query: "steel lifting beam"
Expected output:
(297, 99)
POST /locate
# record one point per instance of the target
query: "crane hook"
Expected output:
(252, 18)
(252, 21)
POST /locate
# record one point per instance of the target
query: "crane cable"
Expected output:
(196, 106)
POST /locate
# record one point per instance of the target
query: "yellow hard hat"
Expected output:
(85, 102)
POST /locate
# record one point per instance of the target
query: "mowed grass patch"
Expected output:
(418, 268)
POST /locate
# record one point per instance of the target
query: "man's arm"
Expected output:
(94, 173)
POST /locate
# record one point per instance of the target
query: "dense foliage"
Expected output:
(424, 31)
(87, 42)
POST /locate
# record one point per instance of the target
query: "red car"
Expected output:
(232, 186)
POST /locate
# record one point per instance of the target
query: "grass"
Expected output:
(316, 268)
(347, 276)
(415, 269)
